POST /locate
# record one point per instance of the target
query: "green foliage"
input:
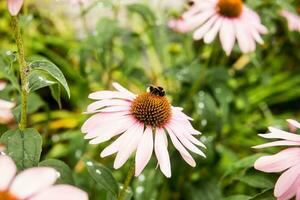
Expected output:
(24, 147)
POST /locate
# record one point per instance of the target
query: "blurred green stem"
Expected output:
(127, 182)
(23, 71)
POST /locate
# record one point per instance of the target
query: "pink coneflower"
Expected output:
(14, 6)
(292, 19)
(142, 122)
(6, 115)
(33, 184)
(231, 18)
(286, 161)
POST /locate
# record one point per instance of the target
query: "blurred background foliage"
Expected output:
(230, 98)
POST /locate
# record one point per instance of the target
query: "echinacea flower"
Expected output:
(6, 115)
(293, 20)
(34, 184)
(232, 19)
(143, 122)
(14, 6)
(286, 161)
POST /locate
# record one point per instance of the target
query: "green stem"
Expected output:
(23, 71)
(127, 182)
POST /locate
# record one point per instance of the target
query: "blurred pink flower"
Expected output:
(33, 184)
(6, 115)
(286, 161)
(14, 6)
(292, 19)
(142, 122)
(231, 18)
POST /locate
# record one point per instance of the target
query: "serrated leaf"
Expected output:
(65, 172)
(103, 177)
(52, 70)
(24, 147)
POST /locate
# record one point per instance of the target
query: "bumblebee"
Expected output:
(156, 90)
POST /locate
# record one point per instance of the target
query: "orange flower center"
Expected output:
(152, 109)
(298, 10)
(230, 8)
(6, 195)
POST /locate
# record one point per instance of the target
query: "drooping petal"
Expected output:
(33, 180)
(128, 145)
(212, 33)
(183, 152)
(61, 192)
(279, 162)
(8, 170)
(14, 6)
(291, 192)
(241, 36)
(161, 152)
(286, 180)
(200, 32)
(144, 151)
(227, 35)
(199, 19)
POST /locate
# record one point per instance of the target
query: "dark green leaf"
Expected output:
(24, 147)
(103, 177)
(238, 197)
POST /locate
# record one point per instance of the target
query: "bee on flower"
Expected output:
(142, 123)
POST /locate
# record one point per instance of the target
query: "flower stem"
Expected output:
(23, 71)
(127, 182)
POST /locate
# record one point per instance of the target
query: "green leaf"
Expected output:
(52, 70)
(103, 177)
(256, 181)
(55, 91)
(39, 79)
(24, 147)
(66, 176)
(128, 194)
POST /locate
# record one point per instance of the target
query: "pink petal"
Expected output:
(7, 171)
(110, 129)
(107, 102)
(109, 95)
(278, 162)
(197, 8)
(201, 31)
(199, 19)
(294, 122)
(2, 85)
(33, 180)
(277, 143)
(162, 153)
(212, 33)
(6, 104)
(144, 151)
(14, 6)
(290, 193)
(101, 118)
(61, 192)
(280, 134)
(227, 35)
(128, 145)
(183, 152)
(286, 180)
(120, 88)
(241, 36)
(111, 109)
(188, 144)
